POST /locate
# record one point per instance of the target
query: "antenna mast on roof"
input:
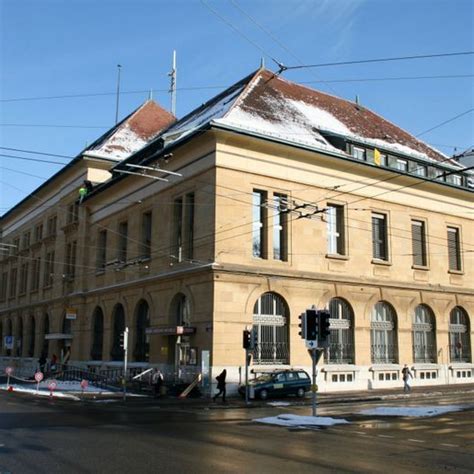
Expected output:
(172, 90)
(119, 67)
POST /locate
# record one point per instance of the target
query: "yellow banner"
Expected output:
(377, 157)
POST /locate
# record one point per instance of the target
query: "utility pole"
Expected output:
(172, 90)
(119, 67)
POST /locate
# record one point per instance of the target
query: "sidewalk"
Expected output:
(322, 399)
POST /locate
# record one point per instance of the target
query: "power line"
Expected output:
(378, 60)
(32, 159)
(35, 152)
(51, 126)
(217, 87)
(230, 25)
(446, 121)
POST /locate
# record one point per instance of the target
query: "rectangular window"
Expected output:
(455, 179)
(335, 229)
(52, 226)
(177, 242)
(418, 239)
(72, 213)
(420, 170)
(23, 278)
(35, 274)
(16, 246)
(402, 165)
(358, 153)
(280, 227)
(101, 250)
(48, 276)
(39, 233)
(3, 286)
(188, 219)
(26, 241)
(70, 264)
(146, 235)
(13, 282)
(122, 242)
(259, 230)
(183, 227)
(454, 249)
(379, 236)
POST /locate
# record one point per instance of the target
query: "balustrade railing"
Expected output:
(384, 353)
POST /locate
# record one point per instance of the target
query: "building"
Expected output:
(269, 199)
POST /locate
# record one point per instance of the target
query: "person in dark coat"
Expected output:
(221, 385)
(42, 362)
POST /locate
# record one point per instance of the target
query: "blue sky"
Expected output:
(57, 47)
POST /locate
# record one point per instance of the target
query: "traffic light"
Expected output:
(311, 325)
(247, 339)
(302, 325)
(324, 323)
(124, 339)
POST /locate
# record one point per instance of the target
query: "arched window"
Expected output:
(270, 329)
(459, 331)
(45, 349)
(142, 343)
(31, 346)
(97, 334)
(118, 319)
(341, 340)
(383, 334)
(19, 338)
(424, 335)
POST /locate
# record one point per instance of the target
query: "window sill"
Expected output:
(337, 256)
(99, 272)
(456, 272)
(420, 267)
(377, 261)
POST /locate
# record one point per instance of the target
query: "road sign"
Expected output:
(311, 344)
(39, 376)
(9, 370)
(52, 385)
(84, 384)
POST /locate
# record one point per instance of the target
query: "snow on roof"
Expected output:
(268, 105)
(133, 133)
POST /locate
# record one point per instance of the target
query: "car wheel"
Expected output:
(300, 392)
(263, 394)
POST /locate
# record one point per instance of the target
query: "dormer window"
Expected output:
(401, 165)
(358, 153)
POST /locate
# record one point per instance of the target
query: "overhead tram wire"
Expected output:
(196, 88)
(278, 42)
(34, 152)
(380, 60)
(51, 125)
(452, 119)
(28, 158)
(230, 25)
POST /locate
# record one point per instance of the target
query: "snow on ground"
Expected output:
(421, 411)
(297, 420)
(279, 404)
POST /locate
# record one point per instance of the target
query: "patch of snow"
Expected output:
(421, 411)
(279, 404)
(121, 144)
(320, 118)
(217, 110)
(40, 393)
(297, 420)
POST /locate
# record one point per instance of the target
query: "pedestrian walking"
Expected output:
(157, 382)
(221, 385)
(42, 362)
(406, 375)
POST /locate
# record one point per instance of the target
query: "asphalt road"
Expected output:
(39, 436)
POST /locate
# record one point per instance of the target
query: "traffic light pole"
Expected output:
(246, 376)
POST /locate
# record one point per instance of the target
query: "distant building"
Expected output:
(267, 200)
